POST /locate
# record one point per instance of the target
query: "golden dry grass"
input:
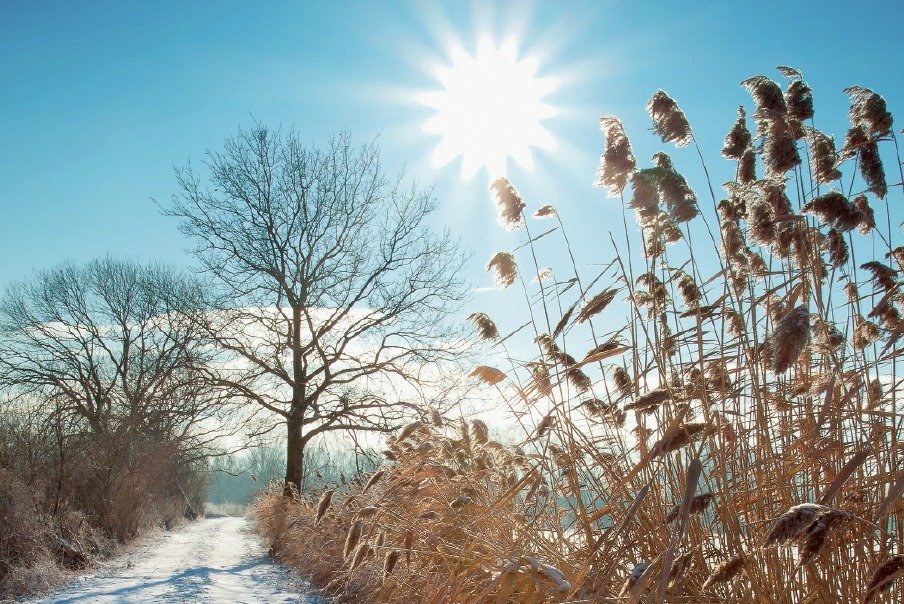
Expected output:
(732, 435)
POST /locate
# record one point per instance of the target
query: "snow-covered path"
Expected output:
(212, 560)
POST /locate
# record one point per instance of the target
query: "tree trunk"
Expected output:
(295, 444)
(294, 456)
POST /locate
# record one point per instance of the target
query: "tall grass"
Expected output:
(711, 417)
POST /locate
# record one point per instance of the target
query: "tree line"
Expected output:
(317, 277)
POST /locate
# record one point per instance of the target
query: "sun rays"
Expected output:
(489, 109)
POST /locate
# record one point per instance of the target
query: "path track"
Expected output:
(212, 560)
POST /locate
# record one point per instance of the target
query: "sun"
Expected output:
(490, 109)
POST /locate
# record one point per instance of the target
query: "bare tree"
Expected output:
(114, 345)
(334, 287)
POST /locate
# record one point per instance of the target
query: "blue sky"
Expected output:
(98, 100)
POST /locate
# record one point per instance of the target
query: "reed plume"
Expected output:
(738, 140)
(605, 411)
(409, 429)
(623, 382)
(793, 523)
(761, 226)
(360, 553)
(509, 204)
(546, 211)
(669, 121)
(674, 191)
(352, 539)
(867, 216)
(774, 126)
(725, 572)
(373, 480)
(632, 578)
(505, 269)
(769, 100)
(883, 577)
(603, 350)
(746, 172)
(775, 194)
(596, 305)
(648, 402)
(540, 375)
(617, 163)
(656, 290)
(871, 169)
(816, 535)
(644, 197)
(573, 372)
(829, 337)
(865, 333)
(548, 346)
(859, 142)
(898, 255)
(779, 148)
(681, 436)
(490, 375)
(883, 275)
(545, 424)
(838, 248)
(835, 211)
(480, 431)
(323, 505)
(543, 274)
(408, 545)
(563, 321)
(367, 511)
(733, 243)
(719, 361)
(698, 505)
(789, 338)
(389, 563)
(486, 329)
(799, 99)
(680, 567)
(789, 72)
(824, 157)
(460, 502)
(856, 137)
(869, 110)
(579, 380)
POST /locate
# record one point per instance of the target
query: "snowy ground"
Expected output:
(212, 560)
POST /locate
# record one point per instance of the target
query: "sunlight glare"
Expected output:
(489, 109)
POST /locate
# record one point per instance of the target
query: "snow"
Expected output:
(212, 560)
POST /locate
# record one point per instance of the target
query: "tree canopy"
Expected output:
(329, 276)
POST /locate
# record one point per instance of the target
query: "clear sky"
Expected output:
(98, 100)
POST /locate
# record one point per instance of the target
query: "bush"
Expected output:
(68, 497)
(127, 485)
(26, 537)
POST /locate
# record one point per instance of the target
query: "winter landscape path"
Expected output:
(213, 560)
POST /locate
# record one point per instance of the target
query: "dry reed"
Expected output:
(763, 371)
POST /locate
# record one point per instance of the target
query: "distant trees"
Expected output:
(105, 407)
(332, 285)
(111, 344)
